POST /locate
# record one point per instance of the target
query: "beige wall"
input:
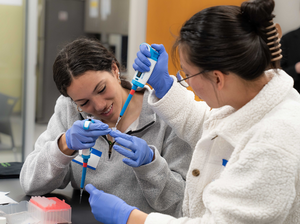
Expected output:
(12, 22)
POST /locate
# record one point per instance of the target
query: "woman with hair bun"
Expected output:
(246, 132)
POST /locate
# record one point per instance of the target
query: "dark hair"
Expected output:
(230, 39)
(78, 57)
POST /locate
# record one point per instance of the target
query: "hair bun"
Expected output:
(258, 12)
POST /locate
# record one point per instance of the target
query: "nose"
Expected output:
(99, 104)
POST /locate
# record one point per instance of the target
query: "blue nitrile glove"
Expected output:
(140, 153)
(108, 208)
(160, 79)
(78, 138)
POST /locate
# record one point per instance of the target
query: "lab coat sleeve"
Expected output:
(47, 168)
(182, 112)
(163, 180)
(258, 185)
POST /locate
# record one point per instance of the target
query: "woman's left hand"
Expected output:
(108, 208)
(140, 153)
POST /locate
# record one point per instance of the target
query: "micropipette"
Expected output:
(86, 153)
(140, 79)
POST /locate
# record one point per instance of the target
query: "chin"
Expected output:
(212, 105)
(108, 119)
(98, 117)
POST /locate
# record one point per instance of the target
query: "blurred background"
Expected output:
(33, 31)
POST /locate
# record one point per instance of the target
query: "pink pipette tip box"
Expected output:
(49, 210)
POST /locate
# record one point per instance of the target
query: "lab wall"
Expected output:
(12, 50)
(60, 22)
(287, 14)
(164, 19)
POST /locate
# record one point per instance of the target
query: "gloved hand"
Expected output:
(140, 153)
(108, 208)
(160, 79)
(78, 138)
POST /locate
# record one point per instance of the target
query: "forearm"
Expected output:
(62, 145)
(185, 126)
(137, 217)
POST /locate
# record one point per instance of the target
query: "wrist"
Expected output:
(124, 213)
(149, 157)
(137, 217)
(152, 155)
(153, 158)
(166, 86)
(62, 145)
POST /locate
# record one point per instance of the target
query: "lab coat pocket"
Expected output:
(216, 167)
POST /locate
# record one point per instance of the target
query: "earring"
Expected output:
(79, 109)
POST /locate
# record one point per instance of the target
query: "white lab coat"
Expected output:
(261, 141)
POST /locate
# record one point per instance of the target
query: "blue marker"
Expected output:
(140, 79)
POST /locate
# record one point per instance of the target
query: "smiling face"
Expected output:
(98, 93)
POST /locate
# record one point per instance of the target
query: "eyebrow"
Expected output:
(96, 87)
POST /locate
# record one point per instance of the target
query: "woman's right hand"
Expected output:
(160, 79)
(79, 138)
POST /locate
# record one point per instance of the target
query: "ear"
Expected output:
(115, 70)
(218, 79)
(279, 31)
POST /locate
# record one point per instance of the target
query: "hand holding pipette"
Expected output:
(140, 78)
(78, 138)
(160, 79)
(82, 136)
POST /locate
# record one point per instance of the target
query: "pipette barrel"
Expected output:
(85, 156)
(132, 91)
(84, 167)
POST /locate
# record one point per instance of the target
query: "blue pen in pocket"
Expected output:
(224, 162)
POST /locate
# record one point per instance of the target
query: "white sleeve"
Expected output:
(182, 112)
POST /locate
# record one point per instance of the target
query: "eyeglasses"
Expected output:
(181, 77)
